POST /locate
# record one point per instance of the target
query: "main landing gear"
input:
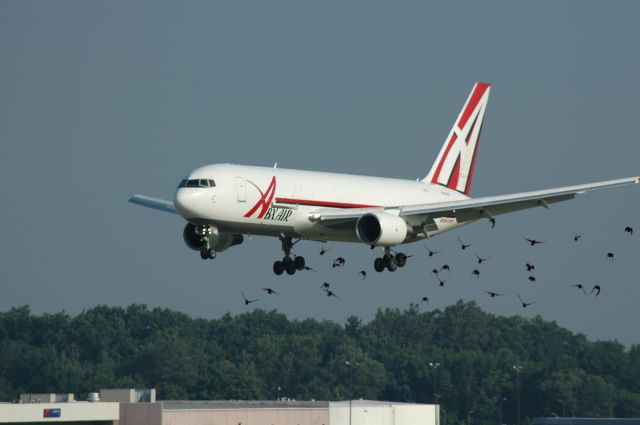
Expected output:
(289, 263)
(389, 261)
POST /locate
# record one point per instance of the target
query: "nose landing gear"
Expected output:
(289, 263)
(207, 233)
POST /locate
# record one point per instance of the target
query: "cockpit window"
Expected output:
(197, 183)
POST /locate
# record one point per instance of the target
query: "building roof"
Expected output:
(240, 404)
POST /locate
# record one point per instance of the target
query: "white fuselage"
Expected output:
(276, 201)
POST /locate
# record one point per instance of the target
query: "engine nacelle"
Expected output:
(219, 241)
(381, 229)
(191, 238)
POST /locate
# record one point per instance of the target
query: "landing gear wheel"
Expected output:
(299, 262)
(378, 264)
(278, 267)
(290, 267)
(204, 253)
(401, 259)
(211, 253)
(391, 262)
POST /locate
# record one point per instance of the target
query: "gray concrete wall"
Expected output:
(141, 413)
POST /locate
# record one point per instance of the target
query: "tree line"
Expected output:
(477, 365)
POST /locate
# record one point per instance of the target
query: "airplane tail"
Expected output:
(456, 161)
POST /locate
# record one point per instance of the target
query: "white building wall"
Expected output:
(79, 411)
(425, 414)
(377, 413)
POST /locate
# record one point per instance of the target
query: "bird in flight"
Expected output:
(480, 259)
(530, 267)
(324, 250)
(596, 289)
(532, 279)
(526, 304)
(579, 286)
(269, 291)
(330, 293)
(338, 262)
(628, 230)
(326, 285)
(435, 271)
(425, 300)
(476, 273)
(445, 267)
(493, 294)
(576, 237)
(610, 256)
(363, 273)
(309, 269)
(464, 245)
(247, 301)
(429, 252)
(533, 242)
(492, 222)
(442, 281)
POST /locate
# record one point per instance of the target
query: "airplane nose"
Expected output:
(184, 201)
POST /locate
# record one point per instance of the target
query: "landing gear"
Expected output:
(389, 261)
(378, 264)
(289, 263)
(207, 233)
(278, 268)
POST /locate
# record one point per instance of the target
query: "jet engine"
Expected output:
(219, 241)
(381, 229)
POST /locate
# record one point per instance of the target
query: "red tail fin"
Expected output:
(456, 161)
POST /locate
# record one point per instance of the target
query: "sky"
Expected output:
(101, 100)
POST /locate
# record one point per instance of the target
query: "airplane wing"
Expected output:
(470, 209)
(155, 203)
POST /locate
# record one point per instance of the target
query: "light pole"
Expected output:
(517, 369)
(500, 411)
(350, 365)
(434, 367)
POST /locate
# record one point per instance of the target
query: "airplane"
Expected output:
(223, 202)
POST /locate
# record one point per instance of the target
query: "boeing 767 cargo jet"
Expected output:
(221, 202)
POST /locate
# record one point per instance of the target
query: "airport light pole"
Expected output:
(351, 366)
(517, 369)
(500, 410)
(434, 367)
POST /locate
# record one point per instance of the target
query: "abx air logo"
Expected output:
(456, 160)
(263, 206)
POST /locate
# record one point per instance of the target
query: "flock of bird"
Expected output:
(443, 273)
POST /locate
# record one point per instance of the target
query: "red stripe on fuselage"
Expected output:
(322, 203)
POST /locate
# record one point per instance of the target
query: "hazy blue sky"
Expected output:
(100, 100)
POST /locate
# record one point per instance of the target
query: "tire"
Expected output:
(401, 259)
(290, 267)
(378, 264)
(299, 262)
(392, 264)
(211, 254)
(278, 267)
(204, 254)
